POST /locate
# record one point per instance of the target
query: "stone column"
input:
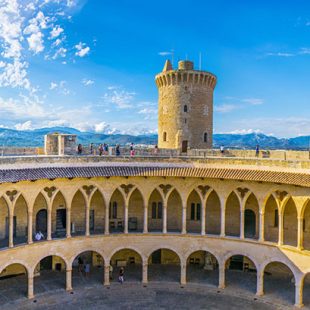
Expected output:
(223, 220)
(164, 218)
(280, 238)
(260, 283)
(183, 231)
(144, 273)
(11, 229)
(299, 294)
(183, 273)
(49, 223)
(107, 220)
(300, 234)
(68, 223)
(203, 218)
(261, 226)
(126, 217)
(221, 275)
(30, 286)
(69, 279)
(107, 275)
(87, 212)
(30, 228)
(145, 218)
(242, 223)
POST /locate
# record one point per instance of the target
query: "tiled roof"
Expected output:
(266, 174)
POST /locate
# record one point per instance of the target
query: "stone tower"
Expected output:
(185, 107)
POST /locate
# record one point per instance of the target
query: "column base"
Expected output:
(183, 232)
(298, 305)
(145, 231)
(29, 242)
(68, 289)
(221, 286)
(30, 296)
(261, 293)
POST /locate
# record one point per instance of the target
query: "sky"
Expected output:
(90, 64)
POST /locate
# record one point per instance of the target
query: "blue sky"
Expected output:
(90, 64)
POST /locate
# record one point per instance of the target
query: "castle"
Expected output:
(241, 222)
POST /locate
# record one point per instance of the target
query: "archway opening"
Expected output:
(290, 223)
(97, 213)
(306, 227)
(59, 216)
(14, 281)
(306, 291)
(241, 273)
(251, 218)
(164, 265)
(87, 268)
(202, 267)
(193, 224)
(4, 223)
(50, 274)
(40, 216)
(174, 212)
(116, 212)
(130, 261)
(213, 214)
(135, 212)
(20, 221)
(232, 216)
(279, 282)
(271, 217)
(155, 212)
(78, 214)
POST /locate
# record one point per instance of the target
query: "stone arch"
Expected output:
(271, 219)
(78, 213)
(290, 224)
(232, 215)
(276, 272)
(174, 211)
(202, 267)
(193, 213)
(117, 211)
(59, 215)
(40, 214)
(4, 222)
(20, 232)
(240, 270)
(135, 211)
(155, 211)
(131, 260)
(306, 225)
(213, 213)
(97, 212)
(164, 265)
(251, 217)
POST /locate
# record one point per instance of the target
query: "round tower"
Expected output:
(185, 107)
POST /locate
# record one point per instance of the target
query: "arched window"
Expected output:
(205, 137)
(185, 108)
(164, 136)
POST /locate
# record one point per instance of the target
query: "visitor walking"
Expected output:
(132, 150)
(91, 149)
(222, 149)
(257, 150)
(117, 150)
(80, 149)
(106, 149)
(39, 236)
(156, 149)
(121, 275)
(100, 149)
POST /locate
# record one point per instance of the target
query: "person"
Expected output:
(257, 150)
(91, 148)
(156, 149)
(100, 149)
(111, 272)
(117, 150)
(222, 149)
(132, 150)
(121, 276)
(81, 264)
(39, 236)
(87, 269)
(106, 149)
(80, 148)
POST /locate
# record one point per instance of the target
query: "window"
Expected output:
(195, 211)
(185, 108)
(205, 137)
(113, 210)
(157, 210)
(164, 136)
(276, 218)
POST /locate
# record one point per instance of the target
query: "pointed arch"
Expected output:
(59, 215)
(4, 222)
(20, 220)
(232, 215)
(193, 213)
(271, 219)
(251, 217)
(290, 223)
(174, 211)
(116, 211)
(155, 211)
(306, 225)
(213, 214)
(78, 213)
(135, 211)
(97, 213)
(40, 214)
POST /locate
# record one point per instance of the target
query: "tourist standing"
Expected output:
(132, 150)
(80, 149)
(121, 275)
(100, 149)
(106, 149)
(257, 150)
(117, 150)
(222, 149)
(87, 269)
(91, 148)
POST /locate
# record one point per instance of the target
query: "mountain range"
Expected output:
(35, 138)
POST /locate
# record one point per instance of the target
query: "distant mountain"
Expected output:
(34, 138)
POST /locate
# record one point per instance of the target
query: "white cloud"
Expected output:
(281, 54)
(61, 52)
(60, 87)
(24, 126)
(82, 49)
(87, 82)
(35, 42)
(243, 131)
(253, 101)
(14, 75)
(56, 31)
(225, 108)
(165, 53)
(119, 97)
(53, 85)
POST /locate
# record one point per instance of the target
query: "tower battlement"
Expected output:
(185, 107)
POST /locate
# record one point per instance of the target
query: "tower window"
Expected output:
(164, 136)
(185, 108)
(205, 137)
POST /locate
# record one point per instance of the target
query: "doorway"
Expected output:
(41, 221)
(184, 146)
(249, 223)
